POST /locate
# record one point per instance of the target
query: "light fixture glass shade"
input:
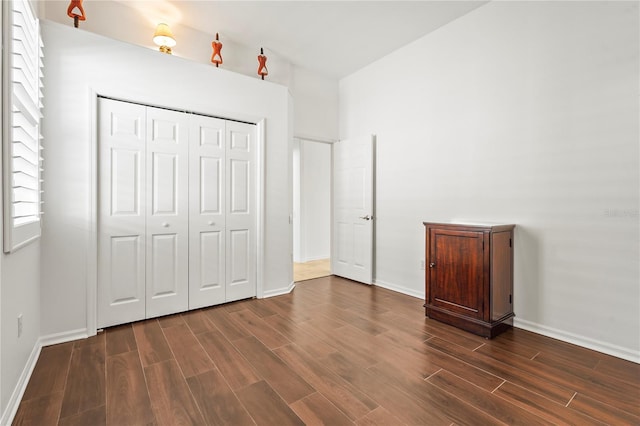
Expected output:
(163, 36)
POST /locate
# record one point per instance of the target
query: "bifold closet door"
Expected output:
(143, 212)
(121, 214)
(241, 212)
(206, 211)
(167, 288)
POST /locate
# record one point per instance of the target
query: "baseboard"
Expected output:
(21, 386)
(64, 337)
(279, 291)
(399, 289)
(576, 339)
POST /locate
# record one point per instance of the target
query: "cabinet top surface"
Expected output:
(470, 223)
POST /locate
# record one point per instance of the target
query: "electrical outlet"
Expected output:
(19, 325)
(422, 265)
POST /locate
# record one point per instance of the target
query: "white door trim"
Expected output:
(92, 207)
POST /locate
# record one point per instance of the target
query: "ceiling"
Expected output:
(334, 38)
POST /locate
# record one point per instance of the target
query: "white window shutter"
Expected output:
(22, 79)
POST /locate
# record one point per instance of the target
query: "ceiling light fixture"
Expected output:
(163, 37)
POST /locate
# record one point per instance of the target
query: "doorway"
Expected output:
(311, 209)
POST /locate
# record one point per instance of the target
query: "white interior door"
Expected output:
(167, 289)
(206, 211)
(121, 221)
(352, 246)
(240, 205)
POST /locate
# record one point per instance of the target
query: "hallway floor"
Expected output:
(310, 270)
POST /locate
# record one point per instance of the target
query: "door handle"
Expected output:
(367, 217)
(431, 265)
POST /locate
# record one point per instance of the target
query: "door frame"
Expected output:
(92, 207)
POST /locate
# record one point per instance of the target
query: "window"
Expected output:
(22, 103)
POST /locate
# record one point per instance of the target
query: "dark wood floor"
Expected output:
(332, 352)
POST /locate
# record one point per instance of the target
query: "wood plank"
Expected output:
(170, 320)
(41, 411)
(261, 307)
(217, 401)
(266, 407)
(604, 412)
(379, 417)
(198, 321)
(407, 352)
(95, 417)
(120, 339)
(543, 407)
(399, 403)
(354, 403)
(127, 397)
(579, 378)
(98, 339)
(188, 352)
(429, 396)
(284, 306)
(152, 345)
(585, 357)
(85, 387)
(260, 329)
(233, 366)
(305, 340)
(620, 369)
(289, 385)
(316, 410)
(170, 395)
(360, 321)
(223, 323)
(487, 402)
(471, 373)
(528, 380)
(50, 373)
(356, 343)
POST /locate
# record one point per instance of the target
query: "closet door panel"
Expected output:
(121, 214)
(206, 211)
(167, 286)
(241, 211)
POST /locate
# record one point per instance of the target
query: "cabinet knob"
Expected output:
(165, 225)
(431, 265)
(211, 223)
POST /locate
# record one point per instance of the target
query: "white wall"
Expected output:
(296, 207)
(315, 200)
(316, 110)
(77, 62)
(520, 112)
(19, 294)
(315, 96)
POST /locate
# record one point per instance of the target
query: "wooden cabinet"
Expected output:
(469, 278)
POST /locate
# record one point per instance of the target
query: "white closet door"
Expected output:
(121, 218)
(167, 289)
(240, 211)
(206, 211)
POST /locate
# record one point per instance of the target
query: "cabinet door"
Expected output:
(206, 211)
(121, 217)
(167, 212)
(456, 271)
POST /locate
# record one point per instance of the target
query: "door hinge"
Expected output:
(482, 244)
(510, 299)
(510, 242)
